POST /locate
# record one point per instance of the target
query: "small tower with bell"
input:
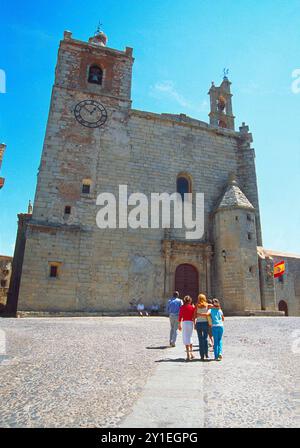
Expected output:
(221, 105)
(29, 208)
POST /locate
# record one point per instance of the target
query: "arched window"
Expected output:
(183, 185)
(221, 104)
(95, 75)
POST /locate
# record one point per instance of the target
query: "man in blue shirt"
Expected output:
(173, 305)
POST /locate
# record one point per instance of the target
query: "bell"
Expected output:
(95, 77)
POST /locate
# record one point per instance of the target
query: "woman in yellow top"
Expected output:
(201, 324)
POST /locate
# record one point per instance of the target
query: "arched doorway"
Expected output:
(282, 306)
(186, 281)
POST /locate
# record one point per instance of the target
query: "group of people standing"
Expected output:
(205, 316)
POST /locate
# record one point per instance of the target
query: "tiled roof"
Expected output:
(276, 253)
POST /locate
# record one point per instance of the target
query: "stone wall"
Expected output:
(289, 288)
(100, 268)
(247, 175)
(235, 260)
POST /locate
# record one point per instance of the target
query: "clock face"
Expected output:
(90, 113)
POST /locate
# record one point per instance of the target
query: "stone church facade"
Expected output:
(95, 142)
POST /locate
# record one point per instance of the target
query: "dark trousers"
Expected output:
(202, 330)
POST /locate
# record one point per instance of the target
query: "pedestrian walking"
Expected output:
(217, 318)
(186, 316)
(210, 336)
(172, 309)
(201, 325)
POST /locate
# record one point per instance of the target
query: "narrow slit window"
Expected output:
(53, 271)
(86, 188)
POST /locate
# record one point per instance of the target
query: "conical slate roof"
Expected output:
(234, 198)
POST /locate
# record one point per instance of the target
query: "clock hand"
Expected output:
(84, 107)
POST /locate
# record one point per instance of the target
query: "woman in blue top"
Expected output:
(217, 318)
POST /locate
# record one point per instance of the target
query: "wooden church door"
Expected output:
(186, 281)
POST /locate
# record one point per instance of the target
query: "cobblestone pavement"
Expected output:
(87, 372)
(257, 383)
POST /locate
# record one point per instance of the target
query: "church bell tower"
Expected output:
(221, 105)
(90, 102)
(93, 68)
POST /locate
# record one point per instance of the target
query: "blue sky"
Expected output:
(179, 48)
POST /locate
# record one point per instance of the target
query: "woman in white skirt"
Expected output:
(186, 316)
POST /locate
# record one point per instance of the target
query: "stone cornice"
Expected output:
(184, 120)
(92, 47)
(51, 226)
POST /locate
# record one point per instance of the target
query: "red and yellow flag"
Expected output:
(279, 269)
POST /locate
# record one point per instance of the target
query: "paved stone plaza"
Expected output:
(97, 372)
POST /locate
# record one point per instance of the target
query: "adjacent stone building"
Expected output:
(5, 261)
(287, 287)
(5, 274)
(2, 149)
(96, 142)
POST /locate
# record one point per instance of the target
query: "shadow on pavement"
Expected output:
(184, 360)
(161, 347)
(171, 360)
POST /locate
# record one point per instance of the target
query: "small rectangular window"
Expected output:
(249, 236)
(86, 189)
(67, 210)
(53, 271)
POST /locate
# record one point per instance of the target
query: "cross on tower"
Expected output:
(225, 72)
(98, 30)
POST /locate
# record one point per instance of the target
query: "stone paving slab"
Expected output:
(169, 396)
(116, 371)
(75, 372)
(256, 384)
